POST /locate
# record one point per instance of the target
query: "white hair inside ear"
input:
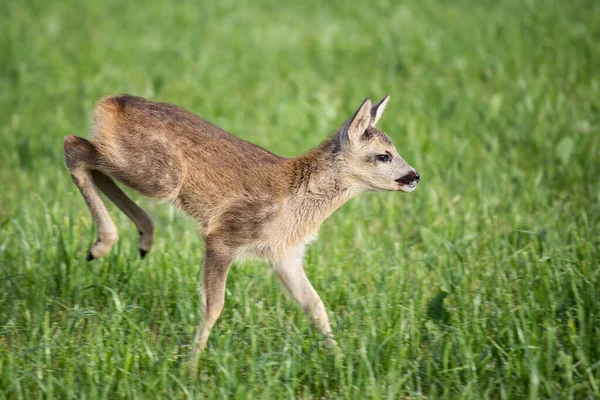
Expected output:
(377, 109)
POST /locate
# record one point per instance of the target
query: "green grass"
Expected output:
(484, 283)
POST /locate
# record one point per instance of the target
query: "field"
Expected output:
(483, 283)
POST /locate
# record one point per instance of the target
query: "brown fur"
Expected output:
(247, 201)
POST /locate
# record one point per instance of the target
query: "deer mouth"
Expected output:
(407, 187)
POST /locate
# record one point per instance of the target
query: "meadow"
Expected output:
(483, 283)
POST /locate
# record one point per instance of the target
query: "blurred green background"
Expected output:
(483, 283)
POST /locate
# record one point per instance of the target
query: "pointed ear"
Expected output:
(359, 122)
(377, 110)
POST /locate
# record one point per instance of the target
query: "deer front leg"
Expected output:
(291, 273)
(216, 267)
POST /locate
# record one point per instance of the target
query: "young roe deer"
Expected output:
(247, 201)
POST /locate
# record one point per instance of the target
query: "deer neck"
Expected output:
(318, 187)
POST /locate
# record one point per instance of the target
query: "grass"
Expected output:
(484, 283)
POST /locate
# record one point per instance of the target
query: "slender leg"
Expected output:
(291, 273)
(80, 155)
(216, 267)
(140, 218)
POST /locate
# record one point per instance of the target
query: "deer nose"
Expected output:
(409, 178)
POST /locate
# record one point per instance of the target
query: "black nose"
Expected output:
(409, 178)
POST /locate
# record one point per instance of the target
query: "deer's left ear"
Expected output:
(359, 122)
(377, 110)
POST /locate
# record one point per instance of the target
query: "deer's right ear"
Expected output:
(358, 123)
(377, 110)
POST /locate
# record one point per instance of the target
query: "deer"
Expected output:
(247, 201)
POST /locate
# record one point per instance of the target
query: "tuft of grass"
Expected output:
(484, 283)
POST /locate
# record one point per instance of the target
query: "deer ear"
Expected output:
(359, 122)
(377, 110)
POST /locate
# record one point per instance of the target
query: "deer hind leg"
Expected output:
(81, 157)
(216, 267)
(290, 271)
(140, 218)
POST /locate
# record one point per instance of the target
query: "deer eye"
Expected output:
(383, 158)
